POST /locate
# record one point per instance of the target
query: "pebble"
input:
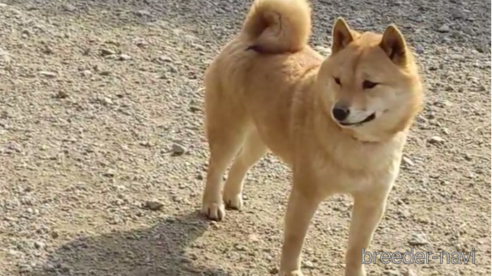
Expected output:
(62, 95)
(38, 245)
(410, 272)
(436, 140)
(142, 13)
(153, 205)
(178, 149)
(408, 161)
(105, 73)
(13, 146)
(107, 52)
(444, 29)
(125, 57)
(69, 8)
(164, 59)
(48, 74)
(107, 101)
(25, 268)
(86, 73)
(240, 247)
(308, 264)
(392, 272)
(418, 239)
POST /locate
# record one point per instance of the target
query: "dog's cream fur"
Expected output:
(269, 91)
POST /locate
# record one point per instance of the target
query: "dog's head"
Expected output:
(371, 82)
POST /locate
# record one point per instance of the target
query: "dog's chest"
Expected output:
(359, 173)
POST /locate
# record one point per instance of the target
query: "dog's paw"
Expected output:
(233, 201)
(214, 211)
(291, 273)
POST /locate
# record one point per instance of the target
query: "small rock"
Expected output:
(178, 149)
(125, 57)
(48, 74)
(13, 146)
(107, 52)
(25, 268)
(107, 101)
(436, 140)
(164, 59)
(142, 13)
(444, 29)
(109, 173)
(253, 238)
(4, 55)
(239, 247)
(418, 239)
(194, 108)
(48, 50)
(69, 8)
(86, 73)
(55, 235)
(26, 33)
(146, 144)
(408, 161)
(140, 42)
(111, 57)
(38, 245)
(61, 95)
(308, 264)
(410, 272)
(392, 272)
(105, 73)
(403, 213)
(153, 205)
(419, 49)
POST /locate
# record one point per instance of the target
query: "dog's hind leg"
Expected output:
(252, 151)
(226, 126)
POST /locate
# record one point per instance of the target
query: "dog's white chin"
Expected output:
(370, 117)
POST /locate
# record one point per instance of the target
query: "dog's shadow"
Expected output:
(158, 250)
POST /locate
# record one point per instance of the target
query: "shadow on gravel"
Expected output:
(159, 250)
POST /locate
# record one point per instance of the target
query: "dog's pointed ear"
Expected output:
(341, 35)
(394, 45)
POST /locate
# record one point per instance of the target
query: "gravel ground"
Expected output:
(103, 154)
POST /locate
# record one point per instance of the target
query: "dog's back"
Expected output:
(259, 70)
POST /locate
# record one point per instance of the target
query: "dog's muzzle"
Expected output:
(342, 113)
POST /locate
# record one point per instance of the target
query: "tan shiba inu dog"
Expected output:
(340, 123)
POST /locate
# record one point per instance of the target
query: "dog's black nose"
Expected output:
(340, 113)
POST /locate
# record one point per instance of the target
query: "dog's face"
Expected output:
(372, 82)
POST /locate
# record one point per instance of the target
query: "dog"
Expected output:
(340, 122)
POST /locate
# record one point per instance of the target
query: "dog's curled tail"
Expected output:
(278, 26)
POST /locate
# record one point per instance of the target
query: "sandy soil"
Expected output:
(103, 154)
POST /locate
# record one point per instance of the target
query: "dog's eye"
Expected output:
(337, 80)
(368, 84)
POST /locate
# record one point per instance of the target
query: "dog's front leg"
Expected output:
(302, 205)
(367, 213)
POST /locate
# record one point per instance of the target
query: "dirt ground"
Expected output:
(103, 155)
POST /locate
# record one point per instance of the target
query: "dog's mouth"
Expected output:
(366, 120)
